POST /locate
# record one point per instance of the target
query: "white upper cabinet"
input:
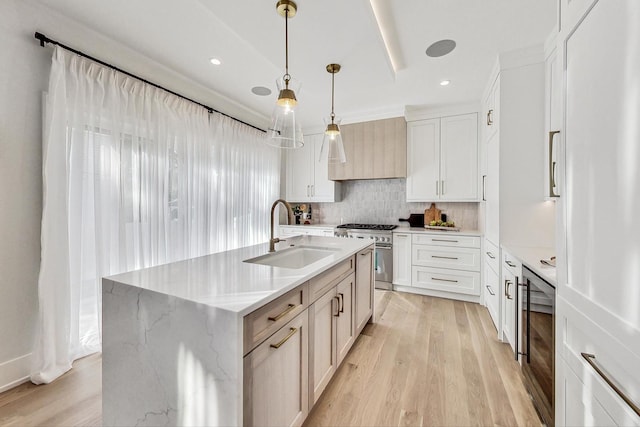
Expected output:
(423, 160)
(459, 157)
(442, 159)
(308, 174)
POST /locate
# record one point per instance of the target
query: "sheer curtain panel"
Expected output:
(134, 177)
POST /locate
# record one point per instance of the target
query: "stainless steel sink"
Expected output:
(295, 257)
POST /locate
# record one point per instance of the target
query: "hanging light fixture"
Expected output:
(285, 130)
(332, 140)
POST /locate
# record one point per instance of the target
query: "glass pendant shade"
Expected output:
(332, 142)
(285, 130)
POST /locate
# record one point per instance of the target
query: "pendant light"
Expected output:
(332, 141)
(285, 130)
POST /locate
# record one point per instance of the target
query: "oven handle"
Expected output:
(386, 247)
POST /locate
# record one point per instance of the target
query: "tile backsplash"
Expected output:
(383, 201)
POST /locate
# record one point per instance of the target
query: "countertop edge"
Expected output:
(530, 257)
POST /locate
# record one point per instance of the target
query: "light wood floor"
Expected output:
(427, 361)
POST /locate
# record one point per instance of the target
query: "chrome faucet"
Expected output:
(273, 241)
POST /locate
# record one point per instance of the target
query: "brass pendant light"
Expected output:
(285, 130)
(332, 141)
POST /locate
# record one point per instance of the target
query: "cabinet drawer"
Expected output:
(511, 264)
(444, 257)
(447, 240)
(320, 284)
(461, 282)
(266, 320)
(491, 291)
(492, 255)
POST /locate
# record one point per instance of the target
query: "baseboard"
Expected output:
(15, 372)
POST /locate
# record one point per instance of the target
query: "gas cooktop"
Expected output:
(383, 227)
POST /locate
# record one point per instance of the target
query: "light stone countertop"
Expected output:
(531, 257)
(223, 280)
(421, 230)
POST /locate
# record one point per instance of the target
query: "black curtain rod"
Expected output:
(44, 40)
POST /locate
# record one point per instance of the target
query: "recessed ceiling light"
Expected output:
(261, 91)
(215, 61)
(441, 48)
(445, 82)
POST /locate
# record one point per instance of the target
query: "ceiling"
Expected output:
(379, 43)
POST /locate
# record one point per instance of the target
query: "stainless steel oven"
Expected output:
(538, 345)
(382, 236)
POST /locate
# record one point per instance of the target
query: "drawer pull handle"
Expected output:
(284, 313)
(443, 257)
(490, 291)
(507, 285)
(444, 280)
(490, 255)
(510, 264)
(444, 240)
(591, 360)
(292, 332)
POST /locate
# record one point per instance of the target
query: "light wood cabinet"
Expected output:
(442, 159)
(276, 377)
(402, 259)
(345, 321)
(597, 266)
(333, 333)
(374, 150)
(323, 337)
(364, 291)
(307, 174)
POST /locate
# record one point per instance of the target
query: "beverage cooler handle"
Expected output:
(517, 316)
(526, 285)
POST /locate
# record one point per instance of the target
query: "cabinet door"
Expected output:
(322, 189)
(491, 290)
(423, 160)
(491, 113)
(553, 119)
(598, 265)
(323, 338)
(299, 175)
(459, 157)
(508, 307)
(492, 191)
(402, 259)
(345, 322)
(276, 377)
(364, 287)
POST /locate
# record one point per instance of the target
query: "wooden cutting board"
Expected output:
(431, 214)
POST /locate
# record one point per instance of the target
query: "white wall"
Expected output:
(24, 70)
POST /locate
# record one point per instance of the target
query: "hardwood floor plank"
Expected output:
(426, 362)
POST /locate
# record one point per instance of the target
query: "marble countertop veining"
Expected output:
(531, 257)
(223, 280)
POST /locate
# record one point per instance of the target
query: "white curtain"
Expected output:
(134, 177)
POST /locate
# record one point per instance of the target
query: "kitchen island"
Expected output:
(189, 343)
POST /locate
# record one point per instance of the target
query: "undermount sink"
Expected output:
(295, 257)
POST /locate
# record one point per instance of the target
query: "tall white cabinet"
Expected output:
(442, 159)
(515, 210)
(597, 323)
(307, 174)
